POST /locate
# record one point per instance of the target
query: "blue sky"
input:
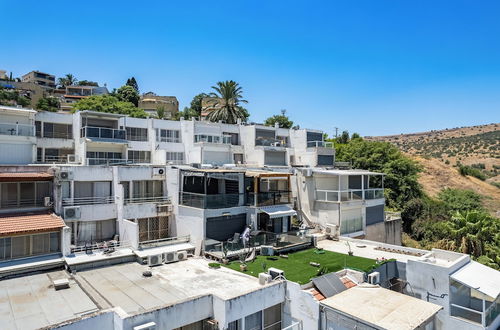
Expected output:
(373, 67)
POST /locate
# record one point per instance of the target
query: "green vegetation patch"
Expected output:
(297, 266)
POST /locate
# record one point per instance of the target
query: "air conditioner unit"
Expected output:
(159, 172)
(266, 250)
(275, 272)
(182, 255)
(332, 231)
(65, 176)
(71, 213)
(73, 159)
(47, 202)
(264, 278)
(155, 260)
(374, 278)
(146, 326)
(170, 257)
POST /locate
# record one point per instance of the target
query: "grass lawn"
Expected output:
(298, 269)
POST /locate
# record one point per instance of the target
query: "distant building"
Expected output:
(40, 78)
(150, 102)
(75, 93)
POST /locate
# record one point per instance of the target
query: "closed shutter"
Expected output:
(223, 227)
(12, 153)
(325, 160)
(374, 214)
(216, 158)
(276, 158)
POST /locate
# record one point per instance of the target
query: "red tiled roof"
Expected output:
(25, 176)
(317, 295)
(347, 282)
(29, 223)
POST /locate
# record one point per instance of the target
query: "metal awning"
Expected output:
(479, 277)
(277, 211)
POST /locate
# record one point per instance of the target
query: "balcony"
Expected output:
(268, 142)
(269, 198)
(21, 203)
(218, 201)
(17, 129)
(104, 134)
(88, 200)
(151, 199)
(164, 241)
(336, 196)
(53, 159)
(213, 139)
(319, 144)
(106, 161)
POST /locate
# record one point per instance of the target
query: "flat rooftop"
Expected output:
(382, 307)
(31, 302)
(124, 285)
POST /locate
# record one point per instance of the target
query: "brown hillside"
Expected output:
(436, 176)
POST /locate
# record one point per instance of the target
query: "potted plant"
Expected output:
(243, 265)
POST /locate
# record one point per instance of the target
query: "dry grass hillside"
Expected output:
(439, 152)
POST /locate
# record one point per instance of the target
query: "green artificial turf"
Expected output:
(298, 269)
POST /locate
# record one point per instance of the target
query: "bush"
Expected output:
(460, 200)
(465, 170)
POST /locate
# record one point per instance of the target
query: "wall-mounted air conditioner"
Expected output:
(73, 159)
(65, 176)
(155, 260)
(374, 278)
(169, 257)
(182, 255)
(158, 172)
(71, 213)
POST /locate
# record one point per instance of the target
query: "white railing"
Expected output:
(7, 203)
(319, 144)
(323, 195)
(152, 199)
(88, 200)
(105, 246)
(106, 161)
(467, 313)
(164, 241)
(17, 129)
(54, 159)
(374, 193)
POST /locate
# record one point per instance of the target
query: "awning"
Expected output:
(479, 277)
(20, 176)
(30, 223)
(277, 211)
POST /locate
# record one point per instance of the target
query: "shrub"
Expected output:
(465, 170)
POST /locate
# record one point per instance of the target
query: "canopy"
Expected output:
(479, 277)
(278, 211)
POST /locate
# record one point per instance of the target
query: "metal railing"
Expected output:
(164, 241)
(214, 139)
(103, 133)
(271, 142)
(323, 195)
(57, 135)
(21, 202)
(218, 201)
(105, 246)
(147, 199)
(319, 144)
(269, 198)
(466, 313)
(106, 161)
(88, 200)
(53, 159)
(17, 129)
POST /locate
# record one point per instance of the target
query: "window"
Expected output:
(137, 134)
(254, 321)
(92, 231)
(136, 156)
(38, 128)
(147, 189)
(153, 228)
(225, 139)
(235, 325)
(168, 135)
(29, 245)
(272, 318)
(61, 131)
(175, 157)
(24, 194)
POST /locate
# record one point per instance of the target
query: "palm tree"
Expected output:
(67, 80)
(228, 108)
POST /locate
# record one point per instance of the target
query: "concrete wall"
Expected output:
(129, 232)
(385, 232)
(301, 305)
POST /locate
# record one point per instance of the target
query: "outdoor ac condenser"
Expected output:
(155, 260)
(266, 250)
(169, 257)
(374, 278)
(182, 255)
(264, 278)
(275, 272)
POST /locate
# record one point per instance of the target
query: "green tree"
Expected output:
(87, 83)
(109, 103)
(196, 103)
(187, 114)
(160, 112)
(343, 138)
(282, 120)
(48, 104)
(457, 200)
(127, 93)
(67, 80)
(132, 83)
(355, 136)
(229, 110)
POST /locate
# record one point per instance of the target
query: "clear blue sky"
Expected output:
(373, 67)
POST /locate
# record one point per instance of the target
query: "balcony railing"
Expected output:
(150, 199)
(271, 143)
(269, 198)
(13, 203)
(57, 135)
(17, 129)
(106, 161)
(215, 139)
(53, 159)
(348, 195)
(104, 133)
(319, 144)
(218, 201)
(164, 241)
(88, 200)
